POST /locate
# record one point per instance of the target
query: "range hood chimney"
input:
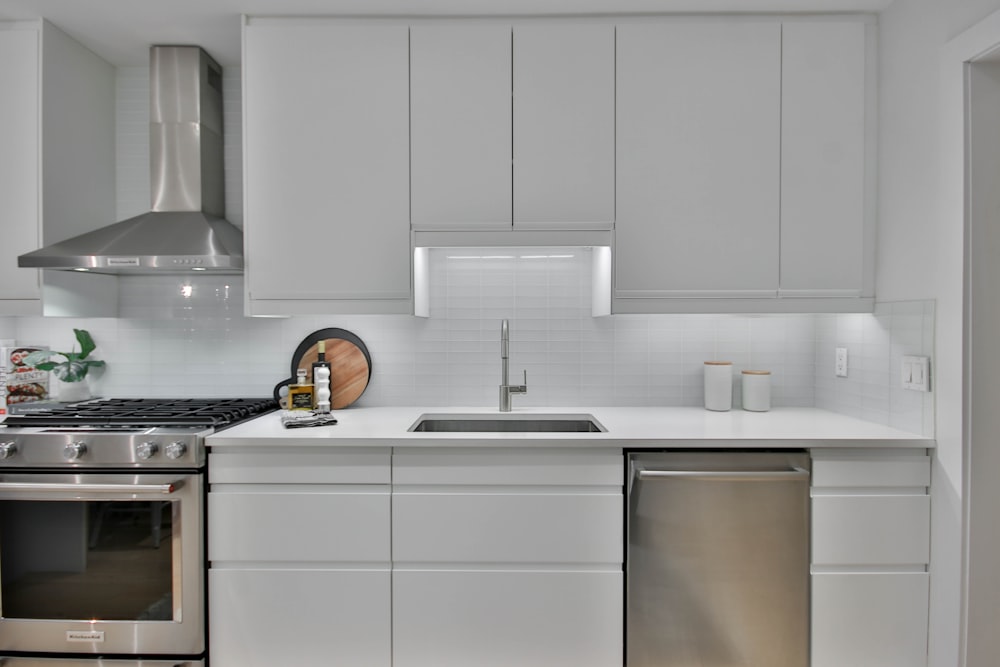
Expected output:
(186, 229)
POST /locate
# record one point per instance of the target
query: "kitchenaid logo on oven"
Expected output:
(84, 636)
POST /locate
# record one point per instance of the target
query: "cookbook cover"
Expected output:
(23, 384)
(4, 342)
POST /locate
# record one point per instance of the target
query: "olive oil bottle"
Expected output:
(300, 395)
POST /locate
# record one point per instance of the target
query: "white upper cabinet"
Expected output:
(513, 126)
(326, 167)
(460, 111)
(56, 166)
(824, 231)
(20, 290)
(698, 159)
(564, 126)
(745, 165)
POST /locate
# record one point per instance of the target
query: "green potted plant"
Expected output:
(73, 371)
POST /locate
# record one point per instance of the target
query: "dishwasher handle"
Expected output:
(791, 474)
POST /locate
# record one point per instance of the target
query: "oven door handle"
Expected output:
(68, 487)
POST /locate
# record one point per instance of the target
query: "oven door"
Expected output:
(109, 563)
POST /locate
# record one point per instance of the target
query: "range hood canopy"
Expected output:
(186, 229)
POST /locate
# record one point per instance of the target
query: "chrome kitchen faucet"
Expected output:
(506, 389)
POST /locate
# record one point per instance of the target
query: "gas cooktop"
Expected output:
(207, 412)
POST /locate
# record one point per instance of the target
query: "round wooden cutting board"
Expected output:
(350, 364)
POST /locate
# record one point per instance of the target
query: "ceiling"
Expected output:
(121, 31)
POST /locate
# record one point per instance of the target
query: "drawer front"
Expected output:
(601, 467)
(869, 619)
(507, 619)
(510, 527)
(300, 465)
(895, 471)
(292, 526)
(306, 618)
(871, 530)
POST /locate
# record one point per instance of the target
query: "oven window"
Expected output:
(86, 560)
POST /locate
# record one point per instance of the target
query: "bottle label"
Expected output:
(301, 401)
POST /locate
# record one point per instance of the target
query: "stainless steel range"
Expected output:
(102, 527)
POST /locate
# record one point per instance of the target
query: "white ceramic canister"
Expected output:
(718, 385)
(757, 391)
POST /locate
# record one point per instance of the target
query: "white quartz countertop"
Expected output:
(626, 427)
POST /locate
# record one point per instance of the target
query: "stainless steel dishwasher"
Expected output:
(717, 571)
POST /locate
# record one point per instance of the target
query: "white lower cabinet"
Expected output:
(300, 570)
(306, 617)
(870, 556)
(869, 619)
(507, 557)
(498, 617)
(452, 557)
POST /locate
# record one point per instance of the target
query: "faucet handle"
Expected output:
(523, 389)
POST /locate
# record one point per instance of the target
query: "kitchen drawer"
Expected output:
(602, 467)
(870, 529)
(877, 471)
(874, 619)
(507, 527)
(323, 524)
(300, 465)
(305, 618)
(507, 618)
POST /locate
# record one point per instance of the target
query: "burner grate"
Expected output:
(148, 412)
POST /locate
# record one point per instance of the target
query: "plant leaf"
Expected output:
(38, 357)
(71, 371)
(86, 342)
(46, 365)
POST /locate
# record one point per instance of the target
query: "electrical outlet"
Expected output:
(840, 365)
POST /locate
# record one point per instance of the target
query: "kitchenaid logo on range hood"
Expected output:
(185, 229)
(85, 636)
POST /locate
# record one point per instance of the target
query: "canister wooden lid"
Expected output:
(756, 372)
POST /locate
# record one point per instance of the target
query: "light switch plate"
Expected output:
(840, 363)
(916, 373)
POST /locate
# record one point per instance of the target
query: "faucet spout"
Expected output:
(506, 389)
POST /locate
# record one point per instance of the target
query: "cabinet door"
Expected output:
(518, 526)
(503, 618)
(327, 167)
(564, 125)
(698, 132)
(19, 168)
(824, 232)
(280, 523)
(871, 530)
(305, 618)
(869, 619)
(460, 110)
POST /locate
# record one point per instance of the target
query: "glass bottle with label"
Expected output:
(300, 394)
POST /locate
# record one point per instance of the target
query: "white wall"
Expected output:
(920, 254)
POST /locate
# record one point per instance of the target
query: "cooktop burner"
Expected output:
(213, 412)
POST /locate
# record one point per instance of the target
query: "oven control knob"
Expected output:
(146, 450)
(7, 449)
(175, 450)
(74, 451)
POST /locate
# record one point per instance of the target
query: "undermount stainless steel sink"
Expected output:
(492, 423)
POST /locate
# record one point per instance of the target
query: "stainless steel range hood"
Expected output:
(186, 229)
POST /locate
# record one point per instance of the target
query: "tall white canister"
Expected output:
(757, 391)
(718, 385)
